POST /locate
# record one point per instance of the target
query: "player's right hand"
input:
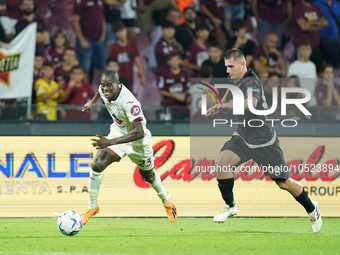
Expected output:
(87, 107)
(214, 110)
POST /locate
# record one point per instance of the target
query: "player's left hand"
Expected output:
(100, 143)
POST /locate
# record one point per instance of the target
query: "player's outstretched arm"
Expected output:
(217, 108)
(136, 133)
(89, 105)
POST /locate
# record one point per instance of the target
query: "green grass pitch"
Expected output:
(158, 236)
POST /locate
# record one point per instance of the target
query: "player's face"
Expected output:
(235, 68)
(109, 87)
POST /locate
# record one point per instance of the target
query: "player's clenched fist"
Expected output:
(87, 107)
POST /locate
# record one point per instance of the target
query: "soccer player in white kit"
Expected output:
(128, 136)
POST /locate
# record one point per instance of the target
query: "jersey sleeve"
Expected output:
(133, 110)
(77, 7)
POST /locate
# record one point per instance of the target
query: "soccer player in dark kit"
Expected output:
(257, 143)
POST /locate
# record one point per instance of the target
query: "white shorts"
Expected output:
(141, 155)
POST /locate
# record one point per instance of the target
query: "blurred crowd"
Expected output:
(156, 46)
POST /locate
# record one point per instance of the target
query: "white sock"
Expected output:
(95, 181)
(160, 190)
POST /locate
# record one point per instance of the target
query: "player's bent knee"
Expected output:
(285, 185)
(147, 176)
(97, 166)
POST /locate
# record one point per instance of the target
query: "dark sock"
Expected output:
(304, 200)
(226, 188)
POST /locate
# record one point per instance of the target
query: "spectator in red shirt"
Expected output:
(28, 16)
(327, 93)
(166, 45)
(268, 59)
(77, 92)
(173, 84)
(309, 21)
(59, 43)
(272, 17)
(126, 53)
(62, 73)
(198, 50)
(89, 26)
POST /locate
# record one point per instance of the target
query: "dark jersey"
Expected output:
(258, 136)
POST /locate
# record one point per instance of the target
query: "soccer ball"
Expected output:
(69, 223)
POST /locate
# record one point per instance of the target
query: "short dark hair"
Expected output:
(325, 66)
(215, 44)
(234, 54)
(173, 54)
(206, 71)
(238, 24)
(111, 74)
(69, 48)
(111, 59)
(305, 43)
(48, 64)
(118, 26)
(76, 67)
(201, 26)
(168, 24)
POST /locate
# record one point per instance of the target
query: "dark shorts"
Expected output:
(269, 158)
(130, 23)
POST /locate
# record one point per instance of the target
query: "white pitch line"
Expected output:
(54, 253)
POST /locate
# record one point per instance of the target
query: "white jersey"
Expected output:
(124, 110)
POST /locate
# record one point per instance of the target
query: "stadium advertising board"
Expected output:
(42, 175)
